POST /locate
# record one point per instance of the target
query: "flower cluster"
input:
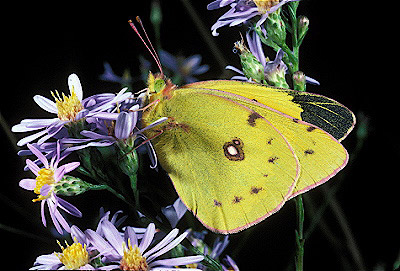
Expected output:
(106, 248)
(100, 120)
(270, 30)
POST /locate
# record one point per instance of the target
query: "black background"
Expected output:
(43, 44)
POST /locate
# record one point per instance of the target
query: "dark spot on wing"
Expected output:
(237, 199)
(273, 159)
(309, 151)
(217, 203)
(310, 128)
(255, 190)
(252, 118)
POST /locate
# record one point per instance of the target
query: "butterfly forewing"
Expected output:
(315, 109)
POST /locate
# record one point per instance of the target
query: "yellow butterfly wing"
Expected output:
(320, 155)
(223, 169)
(315, 109)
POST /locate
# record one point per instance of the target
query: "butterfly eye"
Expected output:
(235, 50)
(159, 85)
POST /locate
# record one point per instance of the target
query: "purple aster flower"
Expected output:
(243, 10)
(109, 76)
(43, 186)
(182, 68)
(76, 256)
(68, 109)
(127, 253)
(274, 71)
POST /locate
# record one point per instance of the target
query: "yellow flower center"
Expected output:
(46, 176)
(265, 5)
(133, 259)
(73, 256)
(68, 106)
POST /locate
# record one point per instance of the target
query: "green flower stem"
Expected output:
(299, 233)
(298, 85)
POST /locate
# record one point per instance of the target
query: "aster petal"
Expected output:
(28, 125)
(48, 259)
(28, 184)
(171, 235)
(312, 81)
(105, 115)
(30, 138)
(168, 60)
(99, 243)
(33, 167)
(46, 104)
(44, 191)
(174, 212)
(74, 84)
(201, 69)
(52, 131)
(192, 61)
(178, 261)
(79, 235)
(39, 155)
(71, 166)
(229, 67)
(42, 212)
(56, 158)
(123, 128)
(68, 207)
(61, 220)
(147, 238)
(130, 234)
(113, 236)
(219, 4)
(168, 247)
(59, 173)
(91, 144)
(56, 217)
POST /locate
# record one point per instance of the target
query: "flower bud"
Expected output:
(252, 68)
(299, 81)
(275, 71)
(302, 24)
(71, 186)
(275, 27)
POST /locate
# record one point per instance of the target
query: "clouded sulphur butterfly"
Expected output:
(237, 151)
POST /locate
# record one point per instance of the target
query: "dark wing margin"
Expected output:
(327, 114)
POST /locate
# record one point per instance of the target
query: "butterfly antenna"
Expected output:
(151, 49)
(147, 37)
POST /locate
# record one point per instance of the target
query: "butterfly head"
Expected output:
(159, 86)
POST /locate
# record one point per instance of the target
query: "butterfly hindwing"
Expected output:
(219, 156)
